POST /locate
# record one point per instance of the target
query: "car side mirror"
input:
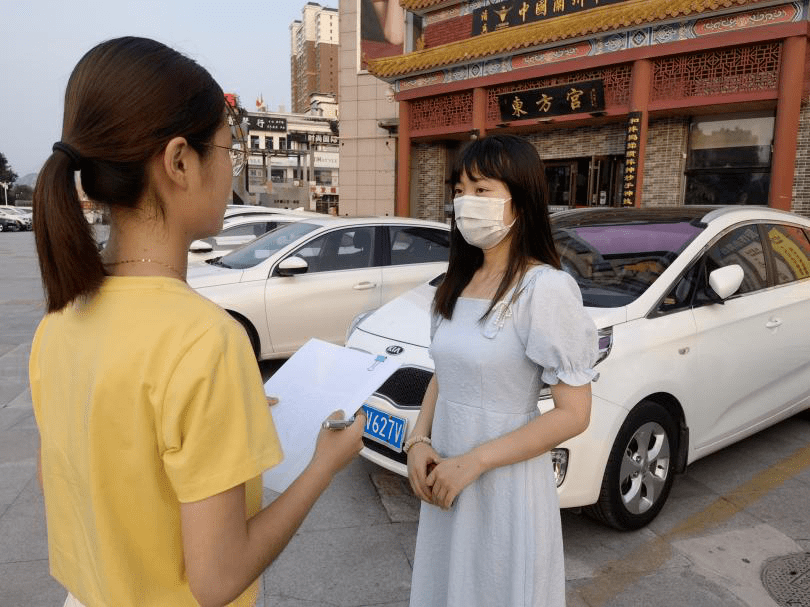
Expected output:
(200, 246)
(292, 266)
(726, 281)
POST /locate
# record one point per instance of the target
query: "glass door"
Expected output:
(594, 181)
(604, 181)
(561, 179)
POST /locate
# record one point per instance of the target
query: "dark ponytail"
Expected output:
(125, 100)
(68, 256)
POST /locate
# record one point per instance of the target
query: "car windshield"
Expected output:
(613, 264)
(256, 251)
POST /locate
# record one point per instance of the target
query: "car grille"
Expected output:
(406, 387)
(383, 450)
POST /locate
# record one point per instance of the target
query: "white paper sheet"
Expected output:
(318, 379)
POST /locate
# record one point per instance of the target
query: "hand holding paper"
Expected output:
(333, 450)
(310, 385)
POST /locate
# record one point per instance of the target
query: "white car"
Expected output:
(704, 340)
(24, 218)
(237, 231)
(311, 277)
(243, 210)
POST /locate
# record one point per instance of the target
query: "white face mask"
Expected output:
(480, 220)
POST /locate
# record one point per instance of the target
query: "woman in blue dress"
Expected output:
(506, 320)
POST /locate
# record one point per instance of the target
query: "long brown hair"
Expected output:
(515, 162)
(125, 100)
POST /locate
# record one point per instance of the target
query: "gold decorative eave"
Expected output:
(604, 19)
(420, 5)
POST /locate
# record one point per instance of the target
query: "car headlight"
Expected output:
(356, 321)
(605, 343)
(559, 459)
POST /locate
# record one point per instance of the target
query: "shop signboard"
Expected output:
(503, 15)
(314, 138)
(267, 123)
(327, 159)
(572, 98)
(631, 157)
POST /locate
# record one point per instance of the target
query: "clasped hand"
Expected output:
(436, 480)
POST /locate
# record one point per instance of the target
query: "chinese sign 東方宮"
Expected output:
(631, 156)
(574, 98)
(517, 12)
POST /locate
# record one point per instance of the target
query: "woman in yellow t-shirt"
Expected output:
(153, 422)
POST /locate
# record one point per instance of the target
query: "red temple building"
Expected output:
(629, 102)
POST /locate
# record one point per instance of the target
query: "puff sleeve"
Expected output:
(557, 332)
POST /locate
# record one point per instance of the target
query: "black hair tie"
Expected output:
(75, 158)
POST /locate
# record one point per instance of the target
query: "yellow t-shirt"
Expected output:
(146, 395)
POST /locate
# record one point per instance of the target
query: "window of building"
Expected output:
(268, 143)
(254, 142)
(256, 176)
(276, 175)
(729, 159)
(282, 143)
(323, 176)
(414, 29)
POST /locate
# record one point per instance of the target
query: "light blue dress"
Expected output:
(500, 544)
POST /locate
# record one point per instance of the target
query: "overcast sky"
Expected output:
(245, 45)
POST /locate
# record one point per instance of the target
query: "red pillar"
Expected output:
(402, 206)
(479, 114)
(786, 127)
(641, 83)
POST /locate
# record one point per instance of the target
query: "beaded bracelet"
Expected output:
(413, 440)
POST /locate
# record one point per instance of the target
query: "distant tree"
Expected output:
(6, 174)
(23, 192)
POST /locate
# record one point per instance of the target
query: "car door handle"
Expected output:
(773, 323)
(362, 286)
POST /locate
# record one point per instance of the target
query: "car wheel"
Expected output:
(640, 469)
(1, 227)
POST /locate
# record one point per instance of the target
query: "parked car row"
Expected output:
(15, 219)
(703, 335)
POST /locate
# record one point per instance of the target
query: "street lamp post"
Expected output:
(5, 185)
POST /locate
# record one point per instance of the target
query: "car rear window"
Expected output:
(613, 264)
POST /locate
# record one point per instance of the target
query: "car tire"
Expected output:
(640, 469)
(1, 227)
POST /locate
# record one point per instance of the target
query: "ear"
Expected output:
(177, 159)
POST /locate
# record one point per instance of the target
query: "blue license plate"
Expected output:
(384, 428)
